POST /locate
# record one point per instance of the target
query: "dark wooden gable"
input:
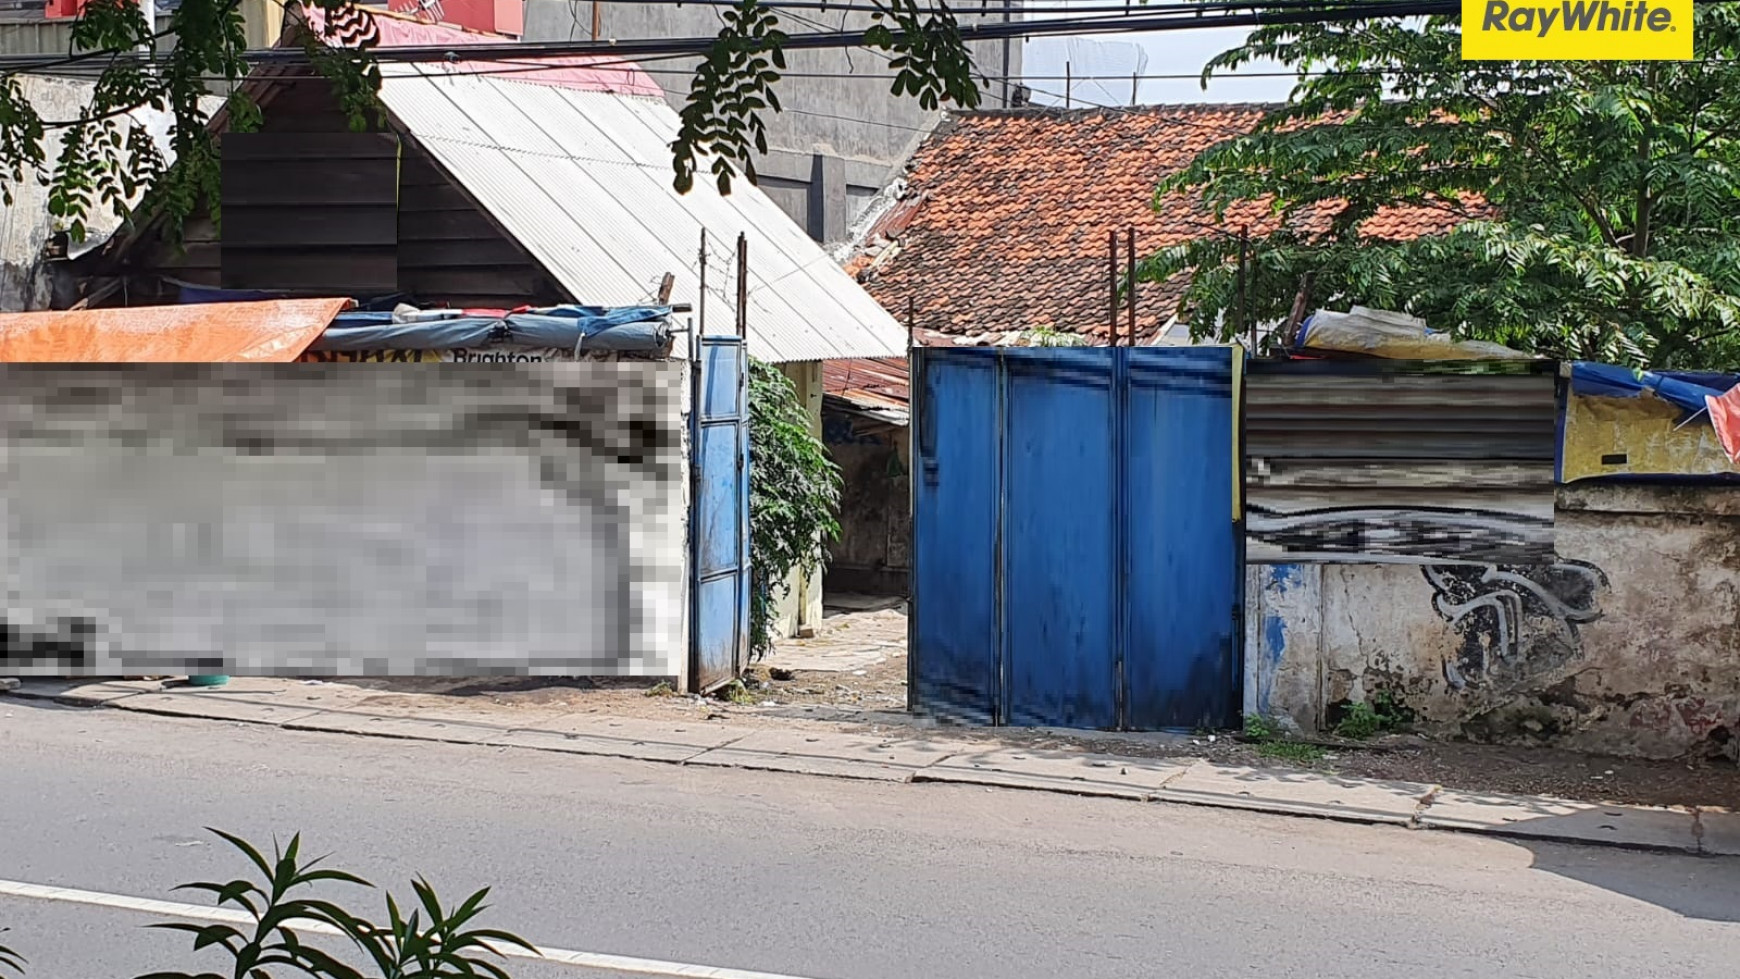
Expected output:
(312, 208)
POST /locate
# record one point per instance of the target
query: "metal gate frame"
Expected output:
(718, 505)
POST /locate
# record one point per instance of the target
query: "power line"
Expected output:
(1334, 12)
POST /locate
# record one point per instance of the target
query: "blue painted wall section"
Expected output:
(1076, 547)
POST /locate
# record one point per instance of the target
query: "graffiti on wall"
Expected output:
(1515, 620)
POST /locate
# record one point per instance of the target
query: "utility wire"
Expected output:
(1335, 12)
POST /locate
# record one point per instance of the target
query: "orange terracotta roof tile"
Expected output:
(1004, 221)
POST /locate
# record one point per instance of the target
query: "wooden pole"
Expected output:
(597, 19)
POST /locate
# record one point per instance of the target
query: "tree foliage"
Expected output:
(105, 158)
(794, 494)
(1592, 209)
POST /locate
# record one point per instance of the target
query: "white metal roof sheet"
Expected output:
(583, 180)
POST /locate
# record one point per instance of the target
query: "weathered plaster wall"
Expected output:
(801, 606)
(873, 554)
(1630, 644)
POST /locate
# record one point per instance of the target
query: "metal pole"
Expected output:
(701, 304)
(911, 318)
(1130, 284)
(1067, 81)
(743, 286)
(1244, 288)
(597, 18)
(1135, 86)
(1112, 281)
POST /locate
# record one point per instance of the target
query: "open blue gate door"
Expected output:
(1077, 554)
(719, 561)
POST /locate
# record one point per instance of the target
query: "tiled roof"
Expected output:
(1004, 221)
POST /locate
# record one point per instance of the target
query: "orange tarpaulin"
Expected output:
(272, 331)
(1725, 415)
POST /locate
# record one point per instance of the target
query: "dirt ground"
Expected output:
(873, 696)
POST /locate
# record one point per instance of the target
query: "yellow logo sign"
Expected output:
(1577, 30)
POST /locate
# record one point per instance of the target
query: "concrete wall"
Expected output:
(843, 134)
(464, 519)
(801, 607)
(1629, 645)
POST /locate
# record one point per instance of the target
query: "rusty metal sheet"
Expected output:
(275, 331)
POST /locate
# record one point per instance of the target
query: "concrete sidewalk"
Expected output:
(818, 751)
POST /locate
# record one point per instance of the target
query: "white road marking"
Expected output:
(197, 912)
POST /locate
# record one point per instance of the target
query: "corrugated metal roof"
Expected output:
(274, 331)
(876, 385)
(583, 180)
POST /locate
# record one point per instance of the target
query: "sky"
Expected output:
(1173, 53)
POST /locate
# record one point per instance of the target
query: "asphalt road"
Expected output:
(815, 878)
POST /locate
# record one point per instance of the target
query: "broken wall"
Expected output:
(462, 519)
(1629, 644)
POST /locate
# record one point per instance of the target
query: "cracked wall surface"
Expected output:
(1629, 643)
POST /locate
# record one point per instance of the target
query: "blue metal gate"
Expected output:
(719, 521)
(1076, 529)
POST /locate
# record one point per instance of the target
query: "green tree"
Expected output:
(794, 493)
(103, 158)
(1592, 208)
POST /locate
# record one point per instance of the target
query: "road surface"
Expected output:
(812, 878)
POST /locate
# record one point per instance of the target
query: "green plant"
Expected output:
(737, 692)
(662, 688)
(1360, 721)
(794, 493)
(1382, 712)
(1588, 209)
(1259, 728)
(432, 942)
(1297, 751)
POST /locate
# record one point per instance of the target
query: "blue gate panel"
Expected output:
(954, 569)
(1181, 664)
(719, 514)
(716, 509)
(1077, 560)
(1060, 536)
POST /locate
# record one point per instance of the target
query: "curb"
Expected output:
(415, 729)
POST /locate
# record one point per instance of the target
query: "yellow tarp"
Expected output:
(1639, 436)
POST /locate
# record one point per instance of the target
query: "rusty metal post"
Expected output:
(911, 318)
(1130, 284)
(743, 286)
(1112, 284)
(597, 18)
(1244, 289)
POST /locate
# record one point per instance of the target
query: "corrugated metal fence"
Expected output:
(1077, 546)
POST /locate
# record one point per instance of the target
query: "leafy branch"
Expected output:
(794, 495)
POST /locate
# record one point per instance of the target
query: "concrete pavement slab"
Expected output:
(1539, 817)
(829, 753)
(81, 693)
(1301, 793)
(213, 702)
(414, 728)
(623, 737)
(1056, 771)
(1719, 833)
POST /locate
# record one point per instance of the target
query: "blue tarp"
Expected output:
(1685, 390)
(564, 327)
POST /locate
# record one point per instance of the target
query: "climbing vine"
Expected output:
(794, 496)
